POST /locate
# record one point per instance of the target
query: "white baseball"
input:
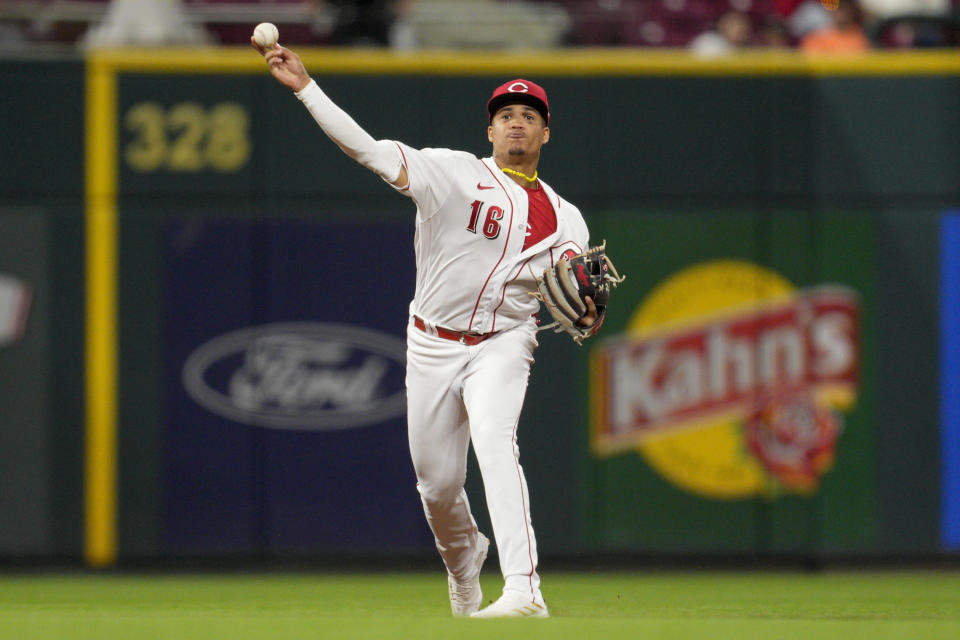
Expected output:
(266, 35)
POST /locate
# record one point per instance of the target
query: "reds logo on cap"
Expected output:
(519, 91)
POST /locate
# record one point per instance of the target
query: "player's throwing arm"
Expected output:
(380, 156)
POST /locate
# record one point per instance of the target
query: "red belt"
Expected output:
(463, 337)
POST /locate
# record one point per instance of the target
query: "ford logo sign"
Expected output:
(308, 376)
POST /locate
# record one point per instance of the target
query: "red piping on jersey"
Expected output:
(504, 294)
(506, 243)
(403, 156)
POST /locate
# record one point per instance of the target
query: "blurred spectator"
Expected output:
(733, 31)
(806, 17)
(844, 35)
(402, 36)
(912, 30)
(774, 33)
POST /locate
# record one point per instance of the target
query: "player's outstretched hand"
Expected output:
(285, 66)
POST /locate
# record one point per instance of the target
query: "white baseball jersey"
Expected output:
(472, 271)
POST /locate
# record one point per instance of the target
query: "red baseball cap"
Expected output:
(519, 91)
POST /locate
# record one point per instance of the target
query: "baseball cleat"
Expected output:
(513, 605)
(465, 597)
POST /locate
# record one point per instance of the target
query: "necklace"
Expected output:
(520, 175)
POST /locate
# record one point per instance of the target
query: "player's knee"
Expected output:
(440, 488)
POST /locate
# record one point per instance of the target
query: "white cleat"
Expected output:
(465, 597)
(513, 605)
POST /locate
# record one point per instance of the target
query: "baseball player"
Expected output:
(484, 227)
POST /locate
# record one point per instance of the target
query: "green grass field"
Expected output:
(599, 606)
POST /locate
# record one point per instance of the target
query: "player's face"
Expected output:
(517, 131)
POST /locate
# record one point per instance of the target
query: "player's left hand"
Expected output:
(591, 315)
(576, 290)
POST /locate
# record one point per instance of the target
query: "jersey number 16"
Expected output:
(491, 224)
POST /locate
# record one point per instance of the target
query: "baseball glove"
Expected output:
(563, 287)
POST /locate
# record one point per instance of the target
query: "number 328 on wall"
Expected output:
(187, 137)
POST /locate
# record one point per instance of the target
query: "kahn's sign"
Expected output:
(730, 381)
(307, 376)
(723, 365)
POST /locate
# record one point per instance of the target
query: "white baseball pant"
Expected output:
(457, 393)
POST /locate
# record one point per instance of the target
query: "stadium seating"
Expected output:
(443, 23)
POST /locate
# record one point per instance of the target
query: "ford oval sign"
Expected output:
(309, 376)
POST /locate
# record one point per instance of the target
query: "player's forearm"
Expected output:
(380, 156)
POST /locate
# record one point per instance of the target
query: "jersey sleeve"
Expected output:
(580, 234)
(430, 175)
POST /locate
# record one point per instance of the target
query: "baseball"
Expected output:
(266, 35)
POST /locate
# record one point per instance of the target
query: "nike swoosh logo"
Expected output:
(481, 187)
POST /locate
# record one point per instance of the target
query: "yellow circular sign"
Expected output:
(709, 458)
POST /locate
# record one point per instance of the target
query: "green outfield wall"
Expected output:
(778, 220)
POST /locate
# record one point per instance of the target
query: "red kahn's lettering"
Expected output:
(726, 364)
